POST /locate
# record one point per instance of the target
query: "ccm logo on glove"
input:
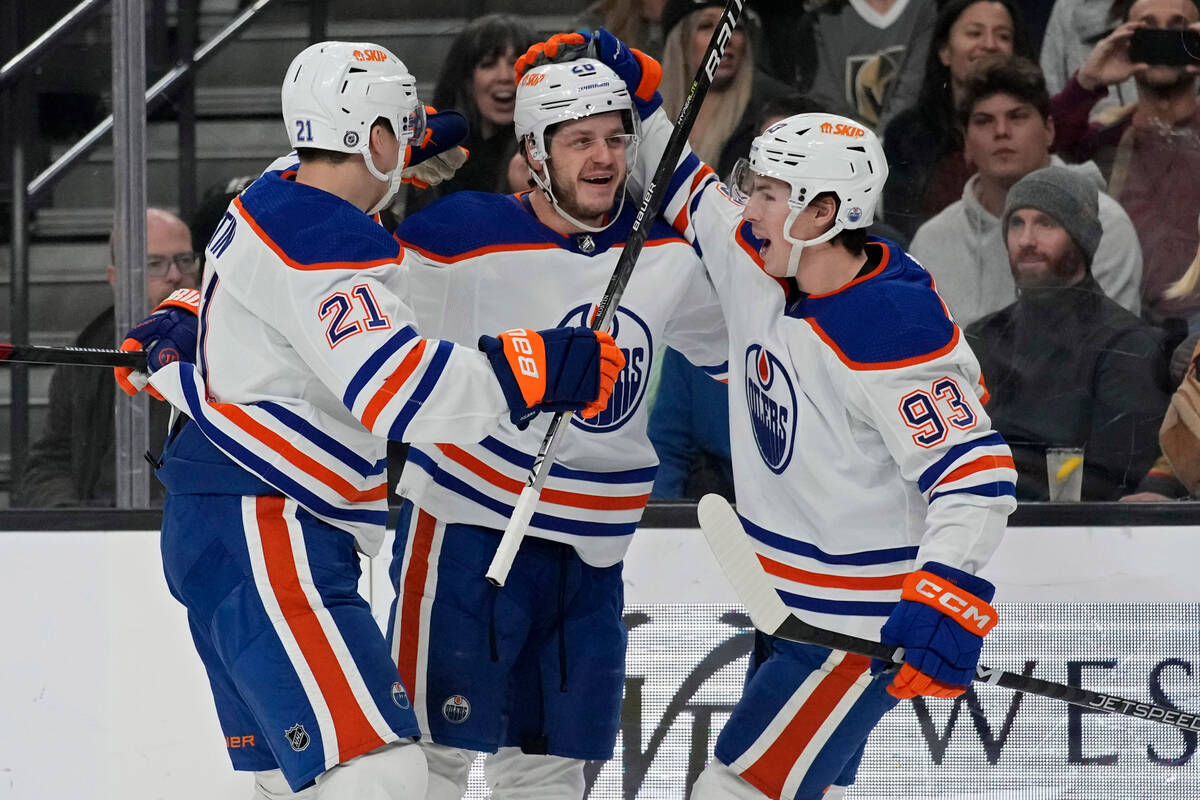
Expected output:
(963, 607)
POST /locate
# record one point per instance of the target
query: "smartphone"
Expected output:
(1170, 47)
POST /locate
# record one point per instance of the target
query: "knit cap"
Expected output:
(1065, 195)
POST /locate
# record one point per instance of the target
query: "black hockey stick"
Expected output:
(82, 356)
(770, 614)
(656, 191)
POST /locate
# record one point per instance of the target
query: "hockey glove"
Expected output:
(440, 153)
(640, 72)
(168, 334)
(559, 369)
(941, 619)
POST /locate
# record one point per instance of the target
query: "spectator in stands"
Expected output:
(1065, 365)
(866, 60)
(727, 121)
(1149, 153)
(1180, 433)
(478, 79)
(212, 209)
(1074, 28)
(1008, 135)
(72, 464)
(635, 22)
(924, 143)
(689, 427)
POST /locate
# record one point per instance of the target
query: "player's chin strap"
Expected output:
(798, 245)
(543, 182)
(392, 179)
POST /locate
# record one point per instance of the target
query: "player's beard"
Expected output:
(568, 198)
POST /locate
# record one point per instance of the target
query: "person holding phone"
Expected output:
(1149, 152)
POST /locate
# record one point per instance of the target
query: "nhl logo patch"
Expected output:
(350, 139)
(586, 244)
(399, 696)
(456, 709)
(297, 737)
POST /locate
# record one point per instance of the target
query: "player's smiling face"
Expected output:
(767, 212)
(587, 165)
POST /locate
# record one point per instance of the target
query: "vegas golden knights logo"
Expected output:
(869, 78)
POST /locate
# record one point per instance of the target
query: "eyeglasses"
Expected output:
(186, 263)
(620, 141)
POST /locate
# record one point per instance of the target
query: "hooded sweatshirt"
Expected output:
(965, 251)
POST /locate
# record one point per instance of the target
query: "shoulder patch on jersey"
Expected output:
(887, 319)
(312, 229)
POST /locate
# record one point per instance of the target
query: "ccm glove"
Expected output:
(940, 621)
(559, 369)
(168, 334)
(640, 72)
(440, 153)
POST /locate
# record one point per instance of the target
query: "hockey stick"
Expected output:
(82, 356)
(731, 546)
(656, 191)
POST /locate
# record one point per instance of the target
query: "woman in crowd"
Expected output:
(477, 79)
(924, 143)
(726, 123)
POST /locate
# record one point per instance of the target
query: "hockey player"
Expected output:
(307, 362)
(866, 470)
(536, 669)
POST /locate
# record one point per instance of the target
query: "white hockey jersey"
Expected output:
(309, 359)
(861, 448)
(482, 263)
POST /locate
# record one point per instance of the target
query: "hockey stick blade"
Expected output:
(656, 191)
(71, 356)
(732, 549)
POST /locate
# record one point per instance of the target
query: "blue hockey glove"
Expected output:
(559, 369)
(640, 72)
(168, 334)
(940, 621)
(440, 153)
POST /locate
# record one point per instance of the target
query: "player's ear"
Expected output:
(527, 148)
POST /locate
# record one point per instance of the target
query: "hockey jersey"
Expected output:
(309, 359)
(482, 263)
(860, 445)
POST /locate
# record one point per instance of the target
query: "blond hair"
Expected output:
(1187, 281)
(722, 110)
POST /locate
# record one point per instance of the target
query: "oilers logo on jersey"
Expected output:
(633, 336)
(771, 400)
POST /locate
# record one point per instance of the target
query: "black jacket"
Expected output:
(1070, 367)
(74, 462)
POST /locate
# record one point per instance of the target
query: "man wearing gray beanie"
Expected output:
(1066, 365)
(1066, 197)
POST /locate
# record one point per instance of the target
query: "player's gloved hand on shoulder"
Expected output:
(440, 153)
(559, 369)
(940, 621)
(169, 334)
(640, 72)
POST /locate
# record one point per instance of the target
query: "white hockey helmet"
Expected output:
(816, 153)
(560, 92)
(335, 91)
